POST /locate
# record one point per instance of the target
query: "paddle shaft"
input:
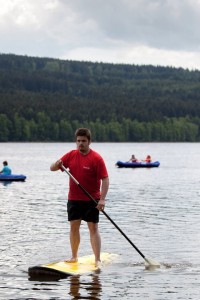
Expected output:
(107, 216)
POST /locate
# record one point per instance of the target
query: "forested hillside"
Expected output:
(44, 99)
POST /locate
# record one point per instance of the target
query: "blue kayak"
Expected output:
(12, 177)
(121, 164)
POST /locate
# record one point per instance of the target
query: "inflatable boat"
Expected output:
(12, 177)
(121, 164)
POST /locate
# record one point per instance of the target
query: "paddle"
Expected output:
(150, 262)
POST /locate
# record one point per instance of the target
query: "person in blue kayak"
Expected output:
(148, 159)
(133, 158)
(6, 169)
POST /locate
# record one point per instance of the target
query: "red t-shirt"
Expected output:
(88, 170)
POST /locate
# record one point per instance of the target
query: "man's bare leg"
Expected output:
(74, 239)
(95, 240)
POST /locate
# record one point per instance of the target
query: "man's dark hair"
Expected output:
(5, 163)
(83, 132)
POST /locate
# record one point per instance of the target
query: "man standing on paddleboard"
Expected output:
(89, 168)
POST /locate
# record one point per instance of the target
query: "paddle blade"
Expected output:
(151, 264)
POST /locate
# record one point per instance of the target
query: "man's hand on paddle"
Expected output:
(101, 205)
(56, 166)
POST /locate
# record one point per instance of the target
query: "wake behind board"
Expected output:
(63, 269)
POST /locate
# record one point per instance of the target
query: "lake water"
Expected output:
(158, 208)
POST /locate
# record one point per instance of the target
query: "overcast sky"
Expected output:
(157, 32)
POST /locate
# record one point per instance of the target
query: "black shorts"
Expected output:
(84, 210)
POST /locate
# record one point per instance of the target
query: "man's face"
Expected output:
(82, 143)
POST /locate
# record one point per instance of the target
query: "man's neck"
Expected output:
(85, 152)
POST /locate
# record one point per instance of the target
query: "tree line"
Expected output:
(44, 99)
(44, 129)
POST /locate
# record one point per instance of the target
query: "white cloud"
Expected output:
(159, 32)
(139, 55)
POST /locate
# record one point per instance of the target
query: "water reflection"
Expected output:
(90, 289)
(80, 287)
(5, 183)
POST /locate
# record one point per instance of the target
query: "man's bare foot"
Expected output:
(98, 264)
(71, 260)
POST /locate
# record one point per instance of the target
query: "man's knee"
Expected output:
(93, 227)
(75, 225)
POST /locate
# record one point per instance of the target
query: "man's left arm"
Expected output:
(104, 190)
